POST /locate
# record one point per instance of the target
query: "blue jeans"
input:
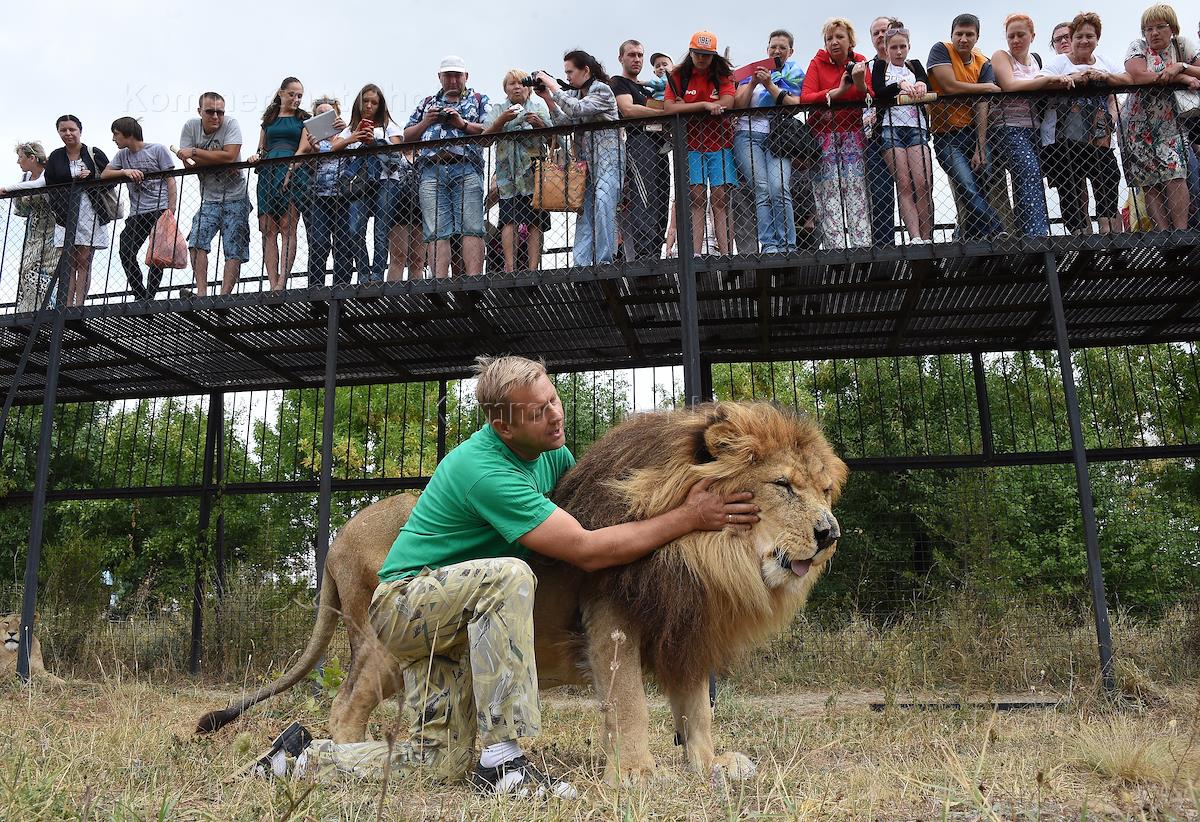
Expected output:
(596, 229)
(358, 212)
(881, 189)
(232, 219)
(451, 201)
(954, 150)
(385, 218)
(771, 177)
(1017, 146)
(327, 222)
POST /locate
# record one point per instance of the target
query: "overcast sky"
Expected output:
(150, 59)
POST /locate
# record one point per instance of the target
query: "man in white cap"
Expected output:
(452, 184)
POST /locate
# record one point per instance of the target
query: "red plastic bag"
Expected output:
(168, 248)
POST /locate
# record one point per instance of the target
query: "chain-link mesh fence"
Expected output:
(961, 564)
(574, 188)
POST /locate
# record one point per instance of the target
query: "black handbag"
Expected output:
(791, 139)
(359, 185)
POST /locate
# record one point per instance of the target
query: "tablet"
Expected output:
(321, 127)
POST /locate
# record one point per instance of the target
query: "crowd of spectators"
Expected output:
(861, 153)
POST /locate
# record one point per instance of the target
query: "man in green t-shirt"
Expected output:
(455, 600)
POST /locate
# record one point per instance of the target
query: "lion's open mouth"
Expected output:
(799, 567)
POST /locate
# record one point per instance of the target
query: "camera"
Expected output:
(849, 67)
(533, 83)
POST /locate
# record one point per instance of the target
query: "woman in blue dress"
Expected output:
(280, 194)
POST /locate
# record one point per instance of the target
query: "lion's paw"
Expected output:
(630, 776)
(733, 765)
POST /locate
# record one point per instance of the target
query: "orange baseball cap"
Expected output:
(704, 41)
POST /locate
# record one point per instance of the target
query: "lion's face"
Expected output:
(795, 476)
(10, 630)
(797, 532)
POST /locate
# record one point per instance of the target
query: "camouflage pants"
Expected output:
(464, 636)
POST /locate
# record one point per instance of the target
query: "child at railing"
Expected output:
(903, 132)
(703, 82)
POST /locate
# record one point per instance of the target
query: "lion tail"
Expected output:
(328, 611)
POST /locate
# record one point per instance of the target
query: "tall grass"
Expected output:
(967, 642)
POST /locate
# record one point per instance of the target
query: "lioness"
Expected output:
(691, 607)
(10, 630)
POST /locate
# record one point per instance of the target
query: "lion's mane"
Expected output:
(701, 599)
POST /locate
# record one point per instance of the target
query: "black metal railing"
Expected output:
(796, 180)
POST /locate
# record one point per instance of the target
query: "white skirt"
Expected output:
(91, 232)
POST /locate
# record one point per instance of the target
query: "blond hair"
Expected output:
(839, 22)
(1161, 13)
(33, 150)
(327, 100)
(513, 74)
(498, 377)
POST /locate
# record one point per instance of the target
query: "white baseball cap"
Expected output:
(452, 63)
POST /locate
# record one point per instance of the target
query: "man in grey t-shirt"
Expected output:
(213, 139)
(148, 198)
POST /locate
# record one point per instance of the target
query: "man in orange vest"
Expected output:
(960, 129)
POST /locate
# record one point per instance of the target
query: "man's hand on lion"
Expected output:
(712, 511)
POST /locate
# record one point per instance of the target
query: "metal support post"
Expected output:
(983, 405)
(33, 559)
(689, 312)
(219, 493)
(1082, 480)
(212, 432)
(695, 388)
(326, 481)
(41, 478)
(442, 420)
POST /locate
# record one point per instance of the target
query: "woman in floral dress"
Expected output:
(39, 256)
(1154, 146)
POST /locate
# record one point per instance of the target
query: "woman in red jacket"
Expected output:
(839, 180)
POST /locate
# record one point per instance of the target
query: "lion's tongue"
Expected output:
(800, 566)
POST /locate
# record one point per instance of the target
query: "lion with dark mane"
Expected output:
(689, 608)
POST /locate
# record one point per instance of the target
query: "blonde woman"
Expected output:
(840, 178)
(39, 256)
(325, 216)
(1154, 146)
(521, 111)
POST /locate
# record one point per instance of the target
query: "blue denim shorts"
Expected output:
(891, 137)
(232, 219)
(451, 201)
(713, 167)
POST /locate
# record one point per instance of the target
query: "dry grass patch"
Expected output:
(123, 749)
(1126, 750)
